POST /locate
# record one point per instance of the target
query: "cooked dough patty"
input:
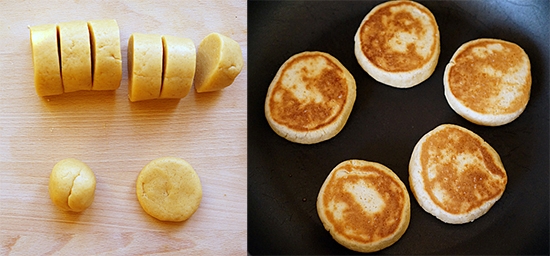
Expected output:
(488, 81)
(310, 98)
(455, 175)
(364, 205)
(397, 43)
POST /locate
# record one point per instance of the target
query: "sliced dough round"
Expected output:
(76, 60)
(397, 43)
(455, 175)
(144, 66)
(47, 73)
(364, 205)
(106, 56)
(179, 67)
(310, 98)
(488, 81)
(169, 189)
(219, 61)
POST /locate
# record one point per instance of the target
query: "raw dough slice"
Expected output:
(169, 189)
(106, 57)
(144, 66)
(179, 66)
(76, 61)
(47, 73)
(219, 61)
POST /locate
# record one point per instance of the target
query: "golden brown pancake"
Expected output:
(397, 43)
(455, 175)
(488, 81)
(310, 98)
(364, 205)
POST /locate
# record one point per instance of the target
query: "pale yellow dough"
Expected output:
(179, 66)
(76, 61)
(219, 61)
(47, 75)
(169, 189)
(144, 66)
(72, 185)
(106, 56)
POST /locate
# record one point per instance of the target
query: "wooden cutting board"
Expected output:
(117, 138)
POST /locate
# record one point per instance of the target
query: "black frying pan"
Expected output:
(385, 124)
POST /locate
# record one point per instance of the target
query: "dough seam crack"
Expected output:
(72, 187)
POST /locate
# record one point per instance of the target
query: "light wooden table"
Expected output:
(117, 138)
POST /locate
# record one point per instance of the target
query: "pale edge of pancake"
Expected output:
(319, 135)
(470, 114)
(396, 79)
(416, 183)
(378, 245)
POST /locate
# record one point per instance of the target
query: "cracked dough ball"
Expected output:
(72, 185)
(169, 189)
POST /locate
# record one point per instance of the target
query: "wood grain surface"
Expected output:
(117, 138)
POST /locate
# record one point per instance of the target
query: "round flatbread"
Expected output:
(364, 205)
(488, 81)
(397, 43)
(455, 175)
(310, 98)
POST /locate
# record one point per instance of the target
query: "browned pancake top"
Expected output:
(317, 104)
(395, 40)
(458, 172)
(487, 74)
(357, 223)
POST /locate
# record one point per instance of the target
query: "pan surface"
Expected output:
(284, 178)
